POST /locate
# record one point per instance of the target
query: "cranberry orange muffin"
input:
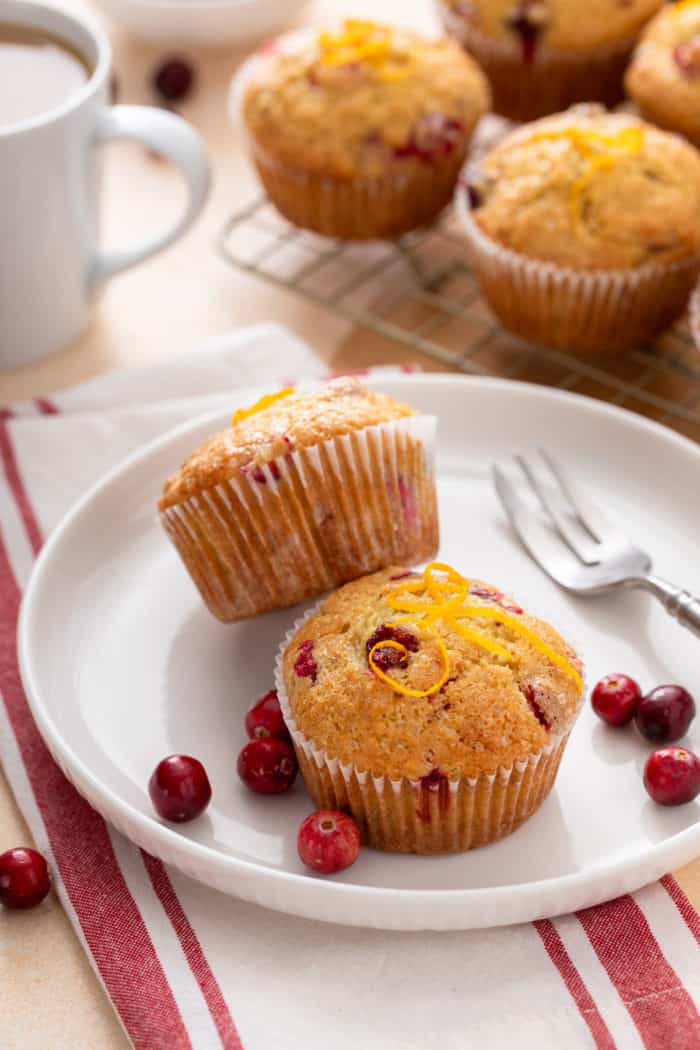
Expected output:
(664, 77)
(431, 707)
(584, 229)
(361, 133)
(544, 55)
(301, 493)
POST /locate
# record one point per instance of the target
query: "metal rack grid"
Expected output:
(421, 292)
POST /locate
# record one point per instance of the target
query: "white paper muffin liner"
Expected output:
(359, 208)
(694, 315)
(275, 535)
(408, 816)
(577, 310)
(552, 81)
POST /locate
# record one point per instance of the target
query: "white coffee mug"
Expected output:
(50, 263)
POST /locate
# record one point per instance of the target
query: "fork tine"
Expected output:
(538, 540)
(570, 536)
(588, 513)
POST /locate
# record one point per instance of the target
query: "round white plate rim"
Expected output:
(524, 900)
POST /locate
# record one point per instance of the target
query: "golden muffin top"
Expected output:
(276, 426)
(668, 55)
(591, 190)
(403, 673)
(558, 25)
(355, 101)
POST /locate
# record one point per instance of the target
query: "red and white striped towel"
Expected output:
(187, 967)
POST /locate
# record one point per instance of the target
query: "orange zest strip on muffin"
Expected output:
(397, 686)
(362, 41)
(601, 153)
(444, 604)
(263, 403)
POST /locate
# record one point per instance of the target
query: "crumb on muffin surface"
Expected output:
(356, 101)
(341, 406)
(562, 25)
(488, 714)
(591, 190)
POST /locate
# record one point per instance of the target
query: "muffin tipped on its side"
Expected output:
(301, 493)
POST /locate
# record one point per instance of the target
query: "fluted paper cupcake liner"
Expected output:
(353, 208)
(361, 208)
(277, 534)
(552, 81)
(412, 816)
(694, 315)
(577, 310)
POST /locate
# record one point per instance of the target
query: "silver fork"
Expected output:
(569, 537)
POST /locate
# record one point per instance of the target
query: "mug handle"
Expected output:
(172, 138)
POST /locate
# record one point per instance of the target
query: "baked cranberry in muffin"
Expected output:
(426, 688)
(361, 132)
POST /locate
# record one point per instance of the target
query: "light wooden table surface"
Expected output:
(49, 998)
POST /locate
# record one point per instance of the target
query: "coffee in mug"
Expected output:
(38, 72)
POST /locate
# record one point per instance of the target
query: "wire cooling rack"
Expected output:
(420, 292)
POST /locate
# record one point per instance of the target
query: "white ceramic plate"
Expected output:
(123, 665)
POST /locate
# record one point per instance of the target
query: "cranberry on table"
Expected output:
(24, 878)
(615, 699)
(672, 776)
(173, 79)
(264, 719)
(328, 841)
(664, 714)
(268, 766)
(179, 788)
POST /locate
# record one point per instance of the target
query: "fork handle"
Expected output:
(682, 605)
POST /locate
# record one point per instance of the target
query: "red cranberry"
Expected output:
(24, 878)
(435, 135)
(615, 698)
(390, 657)
(474, 196)
(179, 788)
(433, 783)
(173, 79)
(305, 666)
(664, 714)
(672, 776)
(528, 19)
(403, 575)
(687, 57)
(531, 697)
(328, 841)
(265, 718)
(267, 766)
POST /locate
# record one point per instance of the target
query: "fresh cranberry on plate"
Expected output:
(179, 788)
(264, 719)
(664, 714)
(268, 766)
(173, 79)
(24, 878)
(615, 698)
(328, 841)
(672, 776)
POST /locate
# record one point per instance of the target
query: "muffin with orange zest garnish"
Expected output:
(302, 493)
(433, 708)
(583, 229)
(361, 132)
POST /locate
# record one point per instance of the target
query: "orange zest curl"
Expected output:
(397, 686)
(260, 405)
(363, 41)
(444, 599)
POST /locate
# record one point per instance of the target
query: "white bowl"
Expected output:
(208, 23)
